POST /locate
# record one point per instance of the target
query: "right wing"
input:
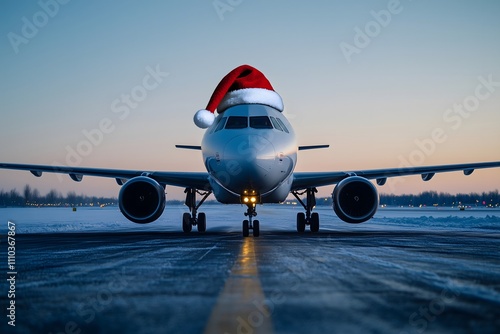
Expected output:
(303, 180)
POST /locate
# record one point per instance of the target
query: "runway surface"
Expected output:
(402, 272)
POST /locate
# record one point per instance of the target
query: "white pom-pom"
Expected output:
(204, 118)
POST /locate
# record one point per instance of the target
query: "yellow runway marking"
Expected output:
(241, 307)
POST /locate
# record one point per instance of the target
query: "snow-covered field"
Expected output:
(229, 217)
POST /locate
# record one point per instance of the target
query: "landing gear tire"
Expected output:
(314, 222)
(301, 222)
(186, 222)
(256, 228)
(193, 217)
(246, 229)
(202, 222)
(309, 218)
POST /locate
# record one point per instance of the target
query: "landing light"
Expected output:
(250, 196)
(249, 199)
(249, 192)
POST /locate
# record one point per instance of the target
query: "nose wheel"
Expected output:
(250, 224)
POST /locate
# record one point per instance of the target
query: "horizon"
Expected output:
(373, 80)
(73, 193)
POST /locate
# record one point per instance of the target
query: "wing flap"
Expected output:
(76, 177)
(36, 173)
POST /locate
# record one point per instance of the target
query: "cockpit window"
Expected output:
(221, 124)
(260, 122)
(237, 122)
(275, 123)
(282, 125)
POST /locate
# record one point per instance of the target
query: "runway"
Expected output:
(380, 278)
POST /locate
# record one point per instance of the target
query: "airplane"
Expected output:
(250, 152)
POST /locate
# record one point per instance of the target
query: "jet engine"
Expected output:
(355, 199)
(142, 200)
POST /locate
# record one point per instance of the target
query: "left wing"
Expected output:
(197, 180)
(318, 179)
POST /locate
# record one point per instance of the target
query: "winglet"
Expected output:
(189, 147)
(312, 147)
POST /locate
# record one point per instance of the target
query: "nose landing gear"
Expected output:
(251, 224)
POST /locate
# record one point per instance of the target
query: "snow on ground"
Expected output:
(229, 218)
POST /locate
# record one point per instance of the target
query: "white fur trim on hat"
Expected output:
(204, 118)
(251, 96)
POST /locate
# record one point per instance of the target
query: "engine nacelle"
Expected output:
(142, 200)
(355, 199)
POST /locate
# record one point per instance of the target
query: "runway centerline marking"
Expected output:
(241, 306)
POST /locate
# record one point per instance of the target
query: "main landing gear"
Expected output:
(250, 224)
(309, 218)
(193, 218)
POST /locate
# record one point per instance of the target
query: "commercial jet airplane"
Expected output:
(250, 153)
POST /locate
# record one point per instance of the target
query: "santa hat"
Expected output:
(243, 85)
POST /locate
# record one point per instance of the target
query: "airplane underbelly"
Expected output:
(227, 196)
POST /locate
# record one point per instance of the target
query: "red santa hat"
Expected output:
(243, 85)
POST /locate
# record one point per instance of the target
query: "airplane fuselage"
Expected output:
(250, 149)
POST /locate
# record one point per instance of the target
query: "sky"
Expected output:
(115, 84)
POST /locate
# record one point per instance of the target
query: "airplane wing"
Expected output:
(197, 180)
(303, 180)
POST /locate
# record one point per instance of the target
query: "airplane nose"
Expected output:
(254, 154)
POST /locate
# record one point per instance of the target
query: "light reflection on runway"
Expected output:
(242, 304)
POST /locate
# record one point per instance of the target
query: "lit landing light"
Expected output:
(250, 197)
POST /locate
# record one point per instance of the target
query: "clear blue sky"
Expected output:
(371, 85)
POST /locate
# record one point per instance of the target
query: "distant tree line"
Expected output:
(433, 198)
(32, 197)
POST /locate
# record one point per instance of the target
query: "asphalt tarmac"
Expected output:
(376, 280)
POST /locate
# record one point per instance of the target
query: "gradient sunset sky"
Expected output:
(385, 83)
